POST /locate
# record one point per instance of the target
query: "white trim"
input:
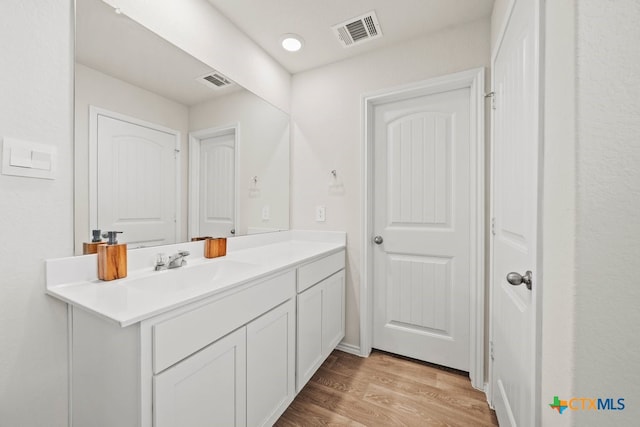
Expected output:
(537, 327)
(70, 362)
(94, 112)
(349, 348)
(474, 80)
(477, 266)
(195, 138)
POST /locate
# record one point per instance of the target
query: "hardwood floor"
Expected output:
(387, 390)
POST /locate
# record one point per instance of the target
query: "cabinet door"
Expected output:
(320, 325)
(309, 334)
(270, 365)
(206, 389)
(332, 312)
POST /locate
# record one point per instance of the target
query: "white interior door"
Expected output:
(217, 206)
(136, 185)
(422, 212)
(515, 209)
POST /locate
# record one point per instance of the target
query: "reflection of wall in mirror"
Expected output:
(101, 90)
(264, 156)
(264, 145)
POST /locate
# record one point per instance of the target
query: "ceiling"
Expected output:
(265, 21)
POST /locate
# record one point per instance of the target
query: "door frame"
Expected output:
(539, 273)
(94, 112)
(474, 80)
(195, 139)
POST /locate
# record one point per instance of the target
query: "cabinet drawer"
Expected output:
(310, 274)
(177, 338)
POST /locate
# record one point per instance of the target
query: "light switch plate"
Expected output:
(320, 214)
(28, 159)
(20, 157)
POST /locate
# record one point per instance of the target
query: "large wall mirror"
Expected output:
(166, 148)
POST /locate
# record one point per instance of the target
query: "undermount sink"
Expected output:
(190, 276)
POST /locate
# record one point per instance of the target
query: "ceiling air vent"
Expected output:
(358, 30)
(214, 80)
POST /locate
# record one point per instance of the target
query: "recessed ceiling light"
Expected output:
(291, 42)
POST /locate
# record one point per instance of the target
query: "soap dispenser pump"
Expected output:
(92, 247)
(112, 258)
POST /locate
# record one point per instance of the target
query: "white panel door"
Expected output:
(422, 211)
(217, 186)
(136, 182)
(207, 389)
(515, 207)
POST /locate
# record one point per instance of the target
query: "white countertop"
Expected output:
(145, 293)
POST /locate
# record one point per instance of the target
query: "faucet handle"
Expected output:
(161, 262)
(184, 253)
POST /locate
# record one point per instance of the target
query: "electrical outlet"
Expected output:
(265, 213)
(320, 214)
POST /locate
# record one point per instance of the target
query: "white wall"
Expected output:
(499, 18)
(200, 30)
(36, 215)
(101, 90)
(557, 270)
(608, 202)
(326, 134)
(264, 152)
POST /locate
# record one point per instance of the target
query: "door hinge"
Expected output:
(493, 226)
(491, 95)
(175, 153)
(491, 350)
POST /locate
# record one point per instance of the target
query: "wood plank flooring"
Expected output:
(387, 390)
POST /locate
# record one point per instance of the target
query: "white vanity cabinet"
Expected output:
(321, 311)
(229, 361)
(146, 352)
(245, 378)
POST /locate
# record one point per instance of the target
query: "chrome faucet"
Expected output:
(178, 260)
(173, 261)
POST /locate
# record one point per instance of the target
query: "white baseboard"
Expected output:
(350, 348)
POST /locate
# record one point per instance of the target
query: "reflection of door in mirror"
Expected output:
(217, 186)
(135, 176)
(213, 180)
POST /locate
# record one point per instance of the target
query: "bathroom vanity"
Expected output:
(221, 342)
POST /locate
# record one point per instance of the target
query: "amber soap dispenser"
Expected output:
(112, 258)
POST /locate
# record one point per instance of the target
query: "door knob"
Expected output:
(516, 279)
(378, 240)
(233, 231)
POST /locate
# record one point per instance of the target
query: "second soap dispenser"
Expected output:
(112, 258)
